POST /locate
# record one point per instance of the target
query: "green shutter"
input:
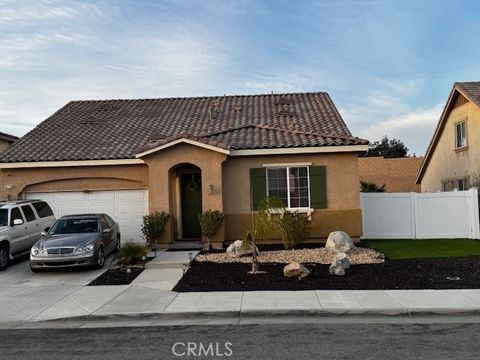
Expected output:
(318, 187)
(258, 186)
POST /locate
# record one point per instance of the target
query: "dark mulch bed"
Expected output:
(393, 274)
(117, 276)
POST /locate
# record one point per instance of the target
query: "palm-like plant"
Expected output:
(263, 225)
(371, 187)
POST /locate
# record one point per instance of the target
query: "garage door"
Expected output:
(126, 207)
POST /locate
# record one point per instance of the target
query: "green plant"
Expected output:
(210, 222)
(263, 225)
(131, 253)
(294, 228)
(152, 227)
(371, 187)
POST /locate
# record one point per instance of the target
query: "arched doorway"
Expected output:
(188, 200)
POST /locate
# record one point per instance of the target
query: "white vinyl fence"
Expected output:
(420, 215)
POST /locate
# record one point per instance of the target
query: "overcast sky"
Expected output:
(388, 65)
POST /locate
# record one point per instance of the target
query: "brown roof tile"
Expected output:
(118, 129)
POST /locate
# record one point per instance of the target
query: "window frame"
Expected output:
(457, 125)
(287, 170)
(25, 214)
(457, 184)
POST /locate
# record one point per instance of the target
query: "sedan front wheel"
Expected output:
(100, 258)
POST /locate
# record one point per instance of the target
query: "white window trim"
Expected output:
(308, 210)
(457, 124)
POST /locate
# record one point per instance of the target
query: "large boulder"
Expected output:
(340, 242)
(339, 264)
(238, 249)
(295, 269)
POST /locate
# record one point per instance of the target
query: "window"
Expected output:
(444, 185)
(75, 226)
(109, 221)
(460, 135)
(14, 215)
(28, 212)
(289, 184)
(461, 184)
(43, 209)
(104, 222)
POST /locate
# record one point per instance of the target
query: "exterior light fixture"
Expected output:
(210, 188)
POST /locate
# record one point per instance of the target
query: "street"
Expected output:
(266, 341)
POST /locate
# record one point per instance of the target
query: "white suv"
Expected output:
(21, 226)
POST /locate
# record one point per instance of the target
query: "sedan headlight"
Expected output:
(85, 250)
(35, 251)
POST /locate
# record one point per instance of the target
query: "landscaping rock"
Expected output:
(295, 269)
(238, 248)
(340, 242)
(340, 263)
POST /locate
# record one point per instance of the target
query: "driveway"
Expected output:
(24, 294)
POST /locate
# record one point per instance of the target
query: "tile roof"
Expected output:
(119, 129)
(470, 89)
(8, 137)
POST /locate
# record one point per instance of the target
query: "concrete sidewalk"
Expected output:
(30, 302)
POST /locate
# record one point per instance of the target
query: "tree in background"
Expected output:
(371, 187)
(393, 148)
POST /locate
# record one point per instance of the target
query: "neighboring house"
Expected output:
(398, 174)
(6, 140)
(452, 158)
(188, 155)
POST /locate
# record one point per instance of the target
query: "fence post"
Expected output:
(414, 204)
(474, 213)
(362, 202)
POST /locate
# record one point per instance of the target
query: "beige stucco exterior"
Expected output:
(226, 176)
(449, 164)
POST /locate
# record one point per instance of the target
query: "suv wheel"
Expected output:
(3, 257)
(100, 258)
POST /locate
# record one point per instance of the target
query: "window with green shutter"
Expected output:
(299, 187)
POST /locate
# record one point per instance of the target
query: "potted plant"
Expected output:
(210, 221)
(152, 228)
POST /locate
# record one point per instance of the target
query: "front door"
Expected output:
(191, 197)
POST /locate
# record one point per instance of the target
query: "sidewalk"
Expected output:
(150, 295)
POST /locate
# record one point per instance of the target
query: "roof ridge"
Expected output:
(306, 132)
(202, 97)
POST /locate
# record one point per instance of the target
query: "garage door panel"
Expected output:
(127, 207)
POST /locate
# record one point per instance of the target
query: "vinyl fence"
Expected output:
(420, 215)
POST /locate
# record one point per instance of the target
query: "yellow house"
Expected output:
(188, 155)
(452, 159)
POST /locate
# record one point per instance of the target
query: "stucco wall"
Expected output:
(448, 164)
(343, 212)
(399, 175)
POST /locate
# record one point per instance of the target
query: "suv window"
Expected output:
(15, 214)
(43, 209)
(28, 212)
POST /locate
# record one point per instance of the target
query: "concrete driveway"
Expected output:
(24, 294)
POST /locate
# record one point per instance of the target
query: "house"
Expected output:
(6, 140)
(397, 174)
(188, 155)
(451, 161)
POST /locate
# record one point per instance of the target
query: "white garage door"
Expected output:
(126, 207)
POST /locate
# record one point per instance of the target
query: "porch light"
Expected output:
(210, 188)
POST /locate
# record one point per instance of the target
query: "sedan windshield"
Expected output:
(74, 226)
(3, 217)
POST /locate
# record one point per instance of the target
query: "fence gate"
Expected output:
(420, 215)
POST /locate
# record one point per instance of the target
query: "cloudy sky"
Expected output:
(388, 65)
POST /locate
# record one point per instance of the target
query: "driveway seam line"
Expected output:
(108, 302)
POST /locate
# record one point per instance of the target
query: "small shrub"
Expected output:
(210, 222)
(367, 187)
(152, 227)
(294, 228)
(131, 253)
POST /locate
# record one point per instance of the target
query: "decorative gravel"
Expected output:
(319, 256)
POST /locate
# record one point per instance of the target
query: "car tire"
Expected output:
(100, 259)
(3, 258)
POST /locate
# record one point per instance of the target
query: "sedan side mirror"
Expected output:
(43, 233)
(17, 222)
(107, 230)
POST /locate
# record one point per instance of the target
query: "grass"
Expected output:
(431, 248)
